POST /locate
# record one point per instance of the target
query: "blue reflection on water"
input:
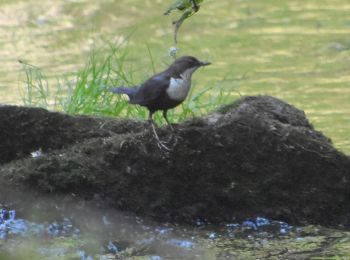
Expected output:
(260, 223)
(10, 225)
(181, 243)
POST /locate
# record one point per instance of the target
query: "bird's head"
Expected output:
(187, 64)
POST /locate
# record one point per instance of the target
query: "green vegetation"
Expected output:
(88, 92)
(294, 50)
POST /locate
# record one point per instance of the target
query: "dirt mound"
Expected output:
(257, 157)
(24, 130)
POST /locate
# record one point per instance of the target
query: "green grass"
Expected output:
(87, 92)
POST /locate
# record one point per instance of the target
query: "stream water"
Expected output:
(56, 227)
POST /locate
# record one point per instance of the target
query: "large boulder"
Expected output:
(257, 157)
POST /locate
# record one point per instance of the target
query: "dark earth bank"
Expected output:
(256, 157)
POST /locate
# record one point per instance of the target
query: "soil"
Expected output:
(256, 157)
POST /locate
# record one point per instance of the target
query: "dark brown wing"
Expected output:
(151, 90)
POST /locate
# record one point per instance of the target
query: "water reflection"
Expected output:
(68, 228)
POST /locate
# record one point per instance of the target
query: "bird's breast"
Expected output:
(178, 88)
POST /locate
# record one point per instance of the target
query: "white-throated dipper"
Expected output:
(164, 90)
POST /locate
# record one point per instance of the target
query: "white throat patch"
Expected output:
(179, 87)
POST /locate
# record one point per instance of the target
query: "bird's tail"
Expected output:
(131, 92)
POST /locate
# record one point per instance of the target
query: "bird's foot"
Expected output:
(171, 142)
(161, 145)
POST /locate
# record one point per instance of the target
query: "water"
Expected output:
(58, 227)
(295, 50)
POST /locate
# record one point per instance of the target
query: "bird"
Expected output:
(164, 90)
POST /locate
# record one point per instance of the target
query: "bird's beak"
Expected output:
(205, 63)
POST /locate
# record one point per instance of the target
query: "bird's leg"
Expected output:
(173, 136)
(167, 121)
(159, 142)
